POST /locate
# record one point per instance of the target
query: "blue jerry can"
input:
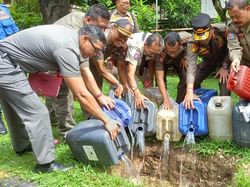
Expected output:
(91, 144)
(193, 119)
(145, 118)
(121, 112)
(241, 123)
(205, 94)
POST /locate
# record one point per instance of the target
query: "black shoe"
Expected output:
(53, 166)
(27, 149)
(2, 127)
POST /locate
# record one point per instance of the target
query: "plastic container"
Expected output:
(239, 82)
(193, 119)
(121, 112)
(219, 111)
(205, 94)
(146, 116)
(167, 123)
(91, 144)
(241, 128)
(154, 95)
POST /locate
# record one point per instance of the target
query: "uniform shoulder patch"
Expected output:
(136, 56)
(230, 36)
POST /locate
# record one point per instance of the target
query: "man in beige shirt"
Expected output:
(239, 33)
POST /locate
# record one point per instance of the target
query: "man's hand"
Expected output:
(119, 90)
(106, 101)
(223, 73)
(139, 100)
(183, 64)
(235, 65)
(113, 127)
(189, 97)
(167, 105)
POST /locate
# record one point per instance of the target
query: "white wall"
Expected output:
(208, 8)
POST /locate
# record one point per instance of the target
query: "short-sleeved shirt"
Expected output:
(135, 49)
(185, 36)
(74, 20)
(45, 48)
(129, 16)
(239, 43)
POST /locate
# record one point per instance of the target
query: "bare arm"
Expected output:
(88, 102)
(91, 85)
(162, 87)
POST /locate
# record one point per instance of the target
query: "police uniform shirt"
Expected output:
(194, 50)
(45, 48)
(74, 20)
(131, 18)
(239, 43)
(136, 48)
(185, 36)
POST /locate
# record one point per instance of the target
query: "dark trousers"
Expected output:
(181, 87)
(204, 70)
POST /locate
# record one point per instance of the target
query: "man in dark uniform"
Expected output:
(208, 42)
(173, 56)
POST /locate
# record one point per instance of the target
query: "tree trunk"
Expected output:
(52, 10)
(221, 11)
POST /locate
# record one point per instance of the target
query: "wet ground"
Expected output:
(216, 170)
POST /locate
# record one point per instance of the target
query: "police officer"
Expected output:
(174, 55)
(117, 37)
(238, 33)
(45, 48)
(7, 28)
(140, 46)
(62, 106)
(208, 42)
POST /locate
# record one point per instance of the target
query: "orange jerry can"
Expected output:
(239, 82)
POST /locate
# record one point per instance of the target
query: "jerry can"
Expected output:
(193, 119)
(205, 94)
(239, 82)
(121, 112)
(91, 144)
(241, 123)
(167, 123)
(154, 94)
(219, 112)
(145, 118)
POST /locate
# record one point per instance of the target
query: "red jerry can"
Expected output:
(239, 82)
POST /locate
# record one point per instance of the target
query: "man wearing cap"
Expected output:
(140, 46)
(208, 42)
(174, 55)
(117, 37)
(238, 33)
(62, 106)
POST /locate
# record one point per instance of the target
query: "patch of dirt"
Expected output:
(216, 170)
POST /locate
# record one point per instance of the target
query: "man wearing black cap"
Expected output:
(174, 55)
(208, 42)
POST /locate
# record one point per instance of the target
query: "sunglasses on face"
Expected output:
(96, 49)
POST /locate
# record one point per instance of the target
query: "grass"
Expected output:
(82, 175)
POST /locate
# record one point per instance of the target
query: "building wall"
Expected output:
(208, 8)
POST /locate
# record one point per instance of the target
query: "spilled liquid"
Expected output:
(133, 174)
(163, 164)
(188, 146)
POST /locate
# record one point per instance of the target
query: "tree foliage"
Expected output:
(179, 13)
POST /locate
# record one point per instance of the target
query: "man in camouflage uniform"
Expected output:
(174, 55)
(208, 42)
(238, 33)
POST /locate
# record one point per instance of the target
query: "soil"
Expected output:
(216, 170)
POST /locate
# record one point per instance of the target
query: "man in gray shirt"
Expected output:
(42, 49)
(62, 105)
